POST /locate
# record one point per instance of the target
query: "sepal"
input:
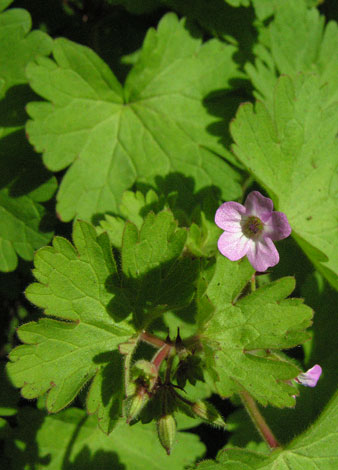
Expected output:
(166, 430)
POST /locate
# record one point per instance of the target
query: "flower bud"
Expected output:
(208, 413)
(146, 372)
(166, 430)
(137, 403)
(310, 377)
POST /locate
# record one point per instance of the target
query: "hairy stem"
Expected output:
(161, 355)
(258, 420)
(151, 339)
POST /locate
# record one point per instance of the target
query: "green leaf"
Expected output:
(196, 212)
(61, 356)
(287, 423)
(151, 257)
(113, 137)
(80, 285)
(293, 154)
(263, 8)
(240, 335)
(24, 222)
(19, 46)
(4, 4)
(316, 449)
(81, 446)
(133, 207)
(298, 42)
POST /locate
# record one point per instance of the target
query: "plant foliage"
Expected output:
(124, 126)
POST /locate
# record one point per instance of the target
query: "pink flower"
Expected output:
(310, 377)
(251, 230)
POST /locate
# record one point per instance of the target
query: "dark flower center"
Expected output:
(253, 226)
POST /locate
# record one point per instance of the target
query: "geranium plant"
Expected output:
(168, 232)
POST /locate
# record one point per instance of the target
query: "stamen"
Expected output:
(252, 227)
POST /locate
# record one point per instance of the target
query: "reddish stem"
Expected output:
(161, 355)
(258, 420)
(151, 339)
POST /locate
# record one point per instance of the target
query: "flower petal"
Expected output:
(229, 215)
(310, 377)
(263, 254)
(277, 227)
(258, 205)
(233, 245)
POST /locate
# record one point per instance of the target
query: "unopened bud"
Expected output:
(146, 372)
(208, 413)
(137, 403)
(166, 430)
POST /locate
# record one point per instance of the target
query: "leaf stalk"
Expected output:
(152, 340)
(258, 420)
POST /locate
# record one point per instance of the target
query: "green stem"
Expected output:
(258, 420)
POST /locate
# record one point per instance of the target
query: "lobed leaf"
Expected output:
(61, 356)
(197, 215)
(293, 153)
(156, 278)
(240, 336)
(295, 24)
(96, 308)
(113, 137)
(133, 206)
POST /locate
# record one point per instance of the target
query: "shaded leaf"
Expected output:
(81, 445)
(24, 183)
(156, 278)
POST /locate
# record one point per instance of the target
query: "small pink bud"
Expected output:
(310, 377)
